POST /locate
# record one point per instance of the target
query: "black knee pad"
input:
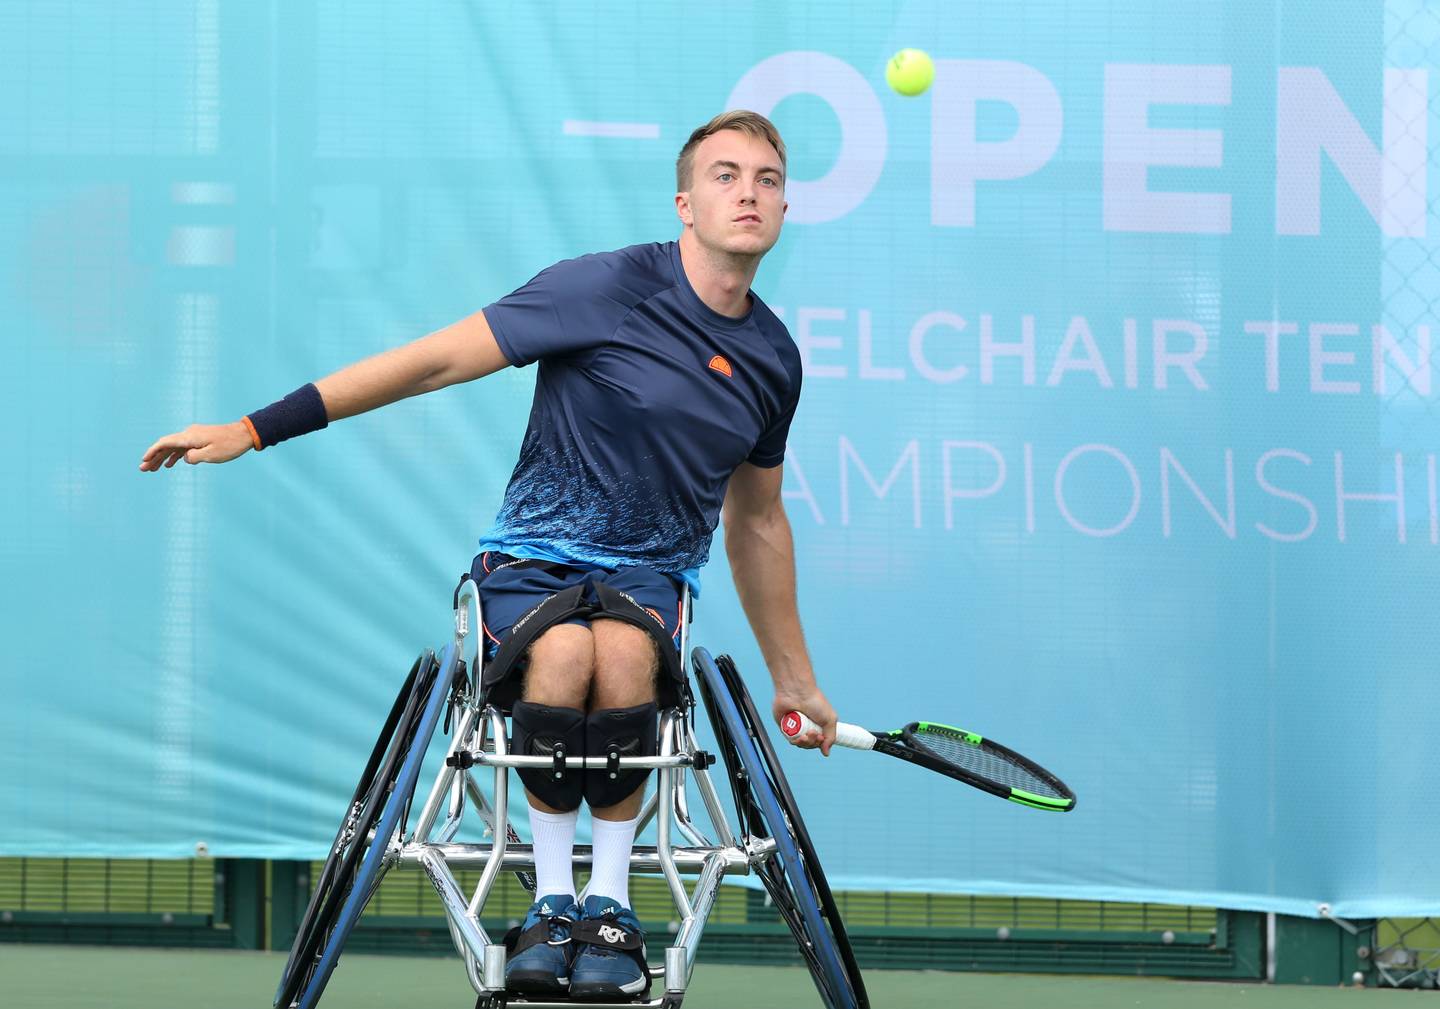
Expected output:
(630, 732)
(538, 730)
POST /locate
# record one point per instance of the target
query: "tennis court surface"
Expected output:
(77, 977)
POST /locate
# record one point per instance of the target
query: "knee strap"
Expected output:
(620, 606)
(625, 732)
(499, 686)
(539, 730)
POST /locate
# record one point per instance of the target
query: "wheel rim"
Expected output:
(828, 908)
(815, 922)
(315, 950)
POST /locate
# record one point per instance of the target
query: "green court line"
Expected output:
(71, 977)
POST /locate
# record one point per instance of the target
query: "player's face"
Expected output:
(736, 201)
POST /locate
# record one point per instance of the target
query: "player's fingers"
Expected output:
(156, 453)
(164, 449)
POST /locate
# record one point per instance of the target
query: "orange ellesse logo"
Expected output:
(718, 363)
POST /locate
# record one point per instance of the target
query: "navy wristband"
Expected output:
(299, 413)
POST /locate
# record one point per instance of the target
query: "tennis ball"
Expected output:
(910, 72)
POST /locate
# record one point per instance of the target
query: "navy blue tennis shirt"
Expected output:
(645, 403)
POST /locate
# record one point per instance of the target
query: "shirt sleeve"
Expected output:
(564, 309)
(769, 451)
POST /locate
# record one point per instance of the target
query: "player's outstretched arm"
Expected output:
(460, 352)
(762, 561)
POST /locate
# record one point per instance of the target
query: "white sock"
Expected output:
(554, 835)
(610, 874)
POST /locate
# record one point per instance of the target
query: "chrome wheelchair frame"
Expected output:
(770, 841)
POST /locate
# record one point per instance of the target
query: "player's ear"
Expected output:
(682, 208)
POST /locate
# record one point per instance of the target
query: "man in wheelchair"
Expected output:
(664, 396)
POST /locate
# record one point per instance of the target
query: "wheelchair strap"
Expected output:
(519, 939)
(608, 932)
(618, 605)
(499, 685)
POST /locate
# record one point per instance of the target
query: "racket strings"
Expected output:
(983, 762)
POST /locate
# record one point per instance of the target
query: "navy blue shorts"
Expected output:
(509, 589)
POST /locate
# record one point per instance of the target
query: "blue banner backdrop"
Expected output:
(1118, 441)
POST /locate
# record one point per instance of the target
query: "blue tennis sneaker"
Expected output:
(541, 950)
(609, 962)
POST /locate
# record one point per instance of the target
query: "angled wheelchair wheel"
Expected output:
(766, 808)
(376, 812)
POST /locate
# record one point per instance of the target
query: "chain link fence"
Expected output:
(1407, 950)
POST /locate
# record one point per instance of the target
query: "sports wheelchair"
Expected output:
(378, 832)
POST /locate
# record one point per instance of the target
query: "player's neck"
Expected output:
(721, 280)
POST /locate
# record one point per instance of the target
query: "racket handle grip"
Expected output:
(796, 724)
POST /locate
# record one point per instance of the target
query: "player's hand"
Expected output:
(813, 704)
(198, 443)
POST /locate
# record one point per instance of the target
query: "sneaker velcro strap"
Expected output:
(608, 933)
(517, 941)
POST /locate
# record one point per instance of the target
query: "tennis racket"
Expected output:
(956, 753)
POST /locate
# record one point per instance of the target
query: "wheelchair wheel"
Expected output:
(766, 808)
(377, 810)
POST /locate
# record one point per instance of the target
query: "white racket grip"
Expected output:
(796, 724)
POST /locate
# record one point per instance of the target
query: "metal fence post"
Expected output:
(243, 882)
(289, 892)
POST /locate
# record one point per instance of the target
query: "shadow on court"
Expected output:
(73, 977)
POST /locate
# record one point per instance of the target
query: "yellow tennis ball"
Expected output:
(910, 72)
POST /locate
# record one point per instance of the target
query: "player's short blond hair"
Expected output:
(750, 123)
